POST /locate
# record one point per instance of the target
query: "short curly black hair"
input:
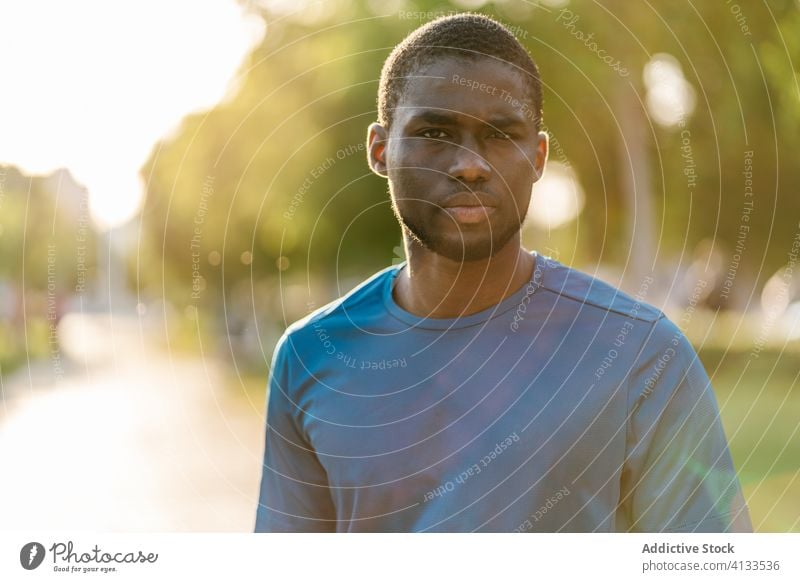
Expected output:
(465, 35)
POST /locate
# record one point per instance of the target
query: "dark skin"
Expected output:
(450, 144)
(461, 162)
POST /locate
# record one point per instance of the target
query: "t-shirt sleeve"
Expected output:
(678, 474)
(294, 494)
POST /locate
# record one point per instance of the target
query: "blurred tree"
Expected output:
(274, 182)
(45, 231)
(47, 254)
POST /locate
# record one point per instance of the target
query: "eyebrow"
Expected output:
(435, 117)
(505, 121)
(439, 118)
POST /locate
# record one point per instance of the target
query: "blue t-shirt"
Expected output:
(568, 406)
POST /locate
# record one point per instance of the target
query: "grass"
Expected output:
(759, 399)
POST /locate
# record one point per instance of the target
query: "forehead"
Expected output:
(480, 89)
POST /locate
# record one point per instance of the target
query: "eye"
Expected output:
(433, 133)
(501, 135)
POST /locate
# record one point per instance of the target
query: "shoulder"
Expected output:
(364, 299)
(661, 340)
(575, 285)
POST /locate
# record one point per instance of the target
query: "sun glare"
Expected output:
(93, 85)
(670, 97)
(558, 197)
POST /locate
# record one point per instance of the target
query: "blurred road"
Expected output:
(127, 439)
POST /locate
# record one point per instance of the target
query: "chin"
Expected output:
(475, 252)
(475, 246)
(461, 250)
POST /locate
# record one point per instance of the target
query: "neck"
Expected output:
(434, 286)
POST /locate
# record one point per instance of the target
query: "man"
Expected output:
(479, 386)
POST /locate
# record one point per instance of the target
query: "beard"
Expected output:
(419, 219)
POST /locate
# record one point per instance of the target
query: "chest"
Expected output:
(406, 432)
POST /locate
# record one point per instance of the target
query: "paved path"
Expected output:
(131, 441)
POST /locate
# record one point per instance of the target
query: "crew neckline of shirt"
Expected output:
(530, 287)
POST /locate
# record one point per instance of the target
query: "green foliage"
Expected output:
(288, 162)
(47, 248)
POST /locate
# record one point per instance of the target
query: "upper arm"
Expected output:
(678, 473)
(294, 493)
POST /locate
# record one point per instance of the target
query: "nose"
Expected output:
(468, 165)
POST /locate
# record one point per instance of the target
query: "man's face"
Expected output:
(462, 155)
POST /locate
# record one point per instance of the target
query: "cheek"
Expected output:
(410, 181)
(517, 204)
(402, 185)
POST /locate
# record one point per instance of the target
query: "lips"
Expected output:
(469, 207)
(469, 199)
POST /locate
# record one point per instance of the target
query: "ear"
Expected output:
(542, 148)
(377, 139)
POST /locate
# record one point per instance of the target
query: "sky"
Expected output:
(92, 85)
